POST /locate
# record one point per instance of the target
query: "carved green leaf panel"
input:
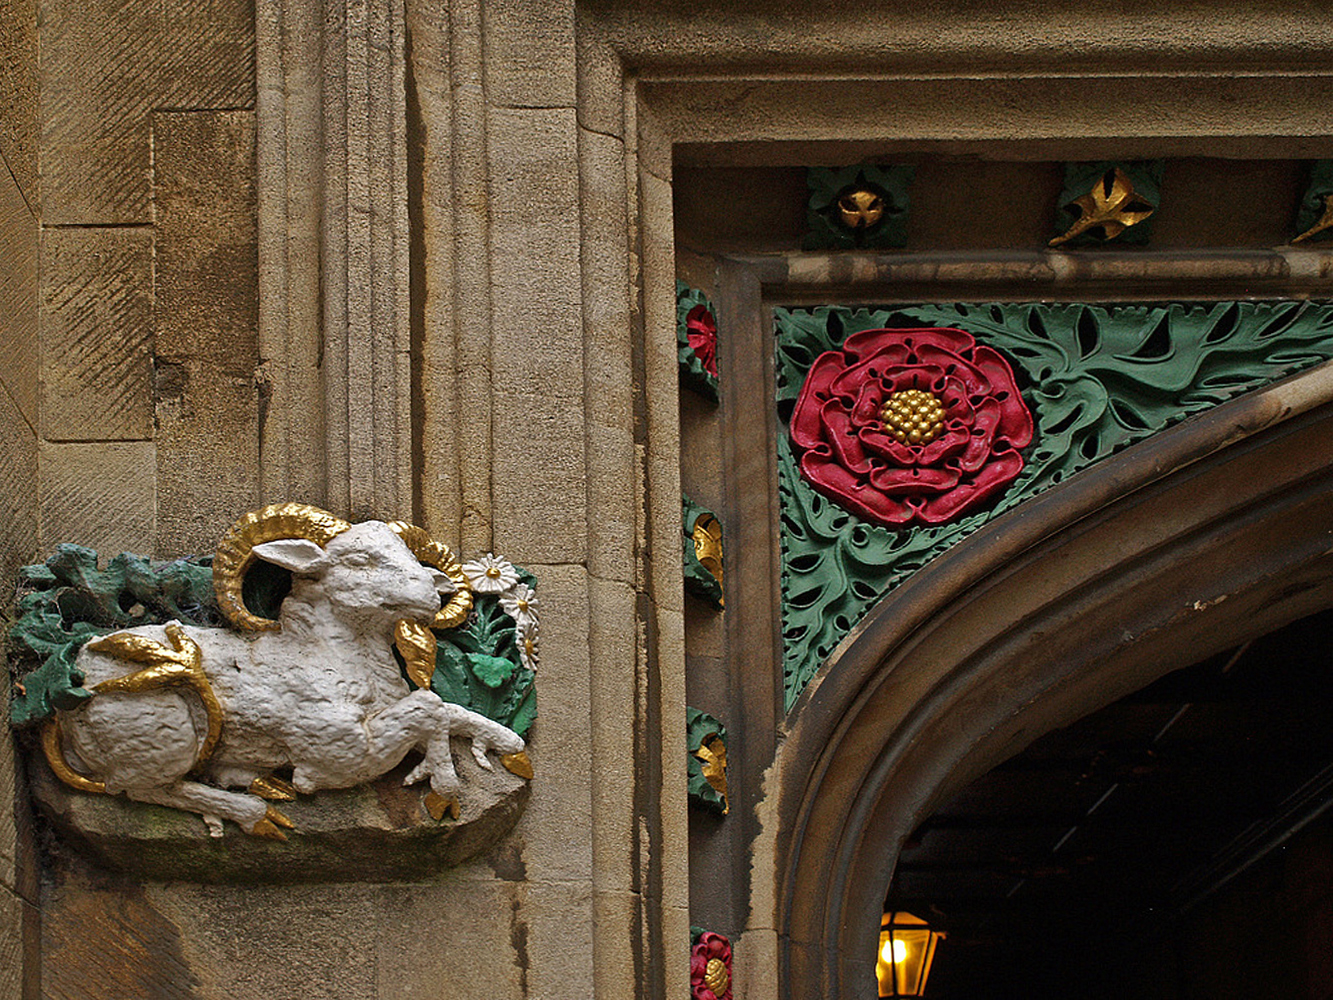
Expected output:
(1096, 378)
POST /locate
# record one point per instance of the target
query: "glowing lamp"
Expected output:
(906, 949)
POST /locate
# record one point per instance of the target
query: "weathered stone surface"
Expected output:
(530, 53)
(537, 330)
(477, 931)
(561, 739)
(18, 491)
(96, 287)
(377, 832)
(18, 93)
(104, 65)
(104, 939)
(100, 495)
(205, 314)
(18, 298)
(11, 944)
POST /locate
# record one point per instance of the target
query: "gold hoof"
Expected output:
(272, 788)
(267, 830)
(278, 819)
(519, 763)
(438, 805)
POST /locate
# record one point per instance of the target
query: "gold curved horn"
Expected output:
(235, 553)
(53, 747)
(439, 555)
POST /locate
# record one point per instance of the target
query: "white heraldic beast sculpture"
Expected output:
(201, 718)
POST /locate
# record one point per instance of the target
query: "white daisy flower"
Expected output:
(490, 574)
(527, 644)
(520, 604)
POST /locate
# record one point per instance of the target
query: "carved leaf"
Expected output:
(1114, 207)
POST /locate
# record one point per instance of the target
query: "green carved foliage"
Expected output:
(1097, 379)
(67, 600)
(700, 580)
(830, 185)
(704, 736)
(696, 341)
(478, 665)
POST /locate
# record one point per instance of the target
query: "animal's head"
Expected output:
(373, 573)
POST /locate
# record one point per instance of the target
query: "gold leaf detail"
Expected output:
(707, 536)
(860, 209)
(177, 665)
(272, 788)
(1114, 209)
(518, 763)
(1325, 221)
(716, 977)
(713, 753)
(416, 643)
(437, 805)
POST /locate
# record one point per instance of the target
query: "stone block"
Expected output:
(461, 936)
(98, 494)
(205, 317)
(205, 200)
(102, 941)
(18, 93)
(537, 337)
(19, 344)
(105, 65)
(11, 944)
(614, 655)
(563, 743)
(18, 492)
(560, 940)
(529, 54)
(96, 321)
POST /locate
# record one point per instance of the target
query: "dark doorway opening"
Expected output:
(1176, 844)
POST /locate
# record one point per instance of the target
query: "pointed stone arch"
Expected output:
(1216, 531)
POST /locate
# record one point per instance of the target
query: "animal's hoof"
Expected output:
(273, 788)
(266, 829)
(438, 805)
(518, 763)
(273, 816)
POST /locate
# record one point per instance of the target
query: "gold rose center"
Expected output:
(715, 976)
(493, 573)
(913, 416)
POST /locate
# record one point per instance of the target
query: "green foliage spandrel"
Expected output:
(67, 600)
(1097, 379)
(478, 665)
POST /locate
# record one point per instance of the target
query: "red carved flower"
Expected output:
(710, 968)
(701, 330)
(910, 426)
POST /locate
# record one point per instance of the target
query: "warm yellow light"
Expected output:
(894, 951)
(907, 949)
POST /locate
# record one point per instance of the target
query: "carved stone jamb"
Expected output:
(333, 253)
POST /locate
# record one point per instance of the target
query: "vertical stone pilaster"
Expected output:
(335, 344)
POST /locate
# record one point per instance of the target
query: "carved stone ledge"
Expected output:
(376, 832)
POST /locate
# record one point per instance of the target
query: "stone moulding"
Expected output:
(338, 672)
(1096, 379)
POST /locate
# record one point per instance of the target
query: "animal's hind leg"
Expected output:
(249, 812)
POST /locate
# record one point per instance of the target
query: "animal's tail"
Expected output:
(55, 756)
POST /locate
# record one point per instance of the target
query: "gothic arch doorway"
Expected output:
(1211, 533)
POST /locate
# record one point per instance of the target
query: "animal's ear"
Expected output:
(442, 583)
(300, 555)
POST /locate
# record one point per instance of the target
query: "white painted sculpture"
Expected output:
(201, 718)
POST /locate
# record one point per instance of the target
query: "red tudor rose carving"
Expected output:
(910, 426)
(701, 330)
(710, 968)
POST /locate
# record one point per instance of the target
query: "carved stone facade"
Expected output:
(419, 261)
